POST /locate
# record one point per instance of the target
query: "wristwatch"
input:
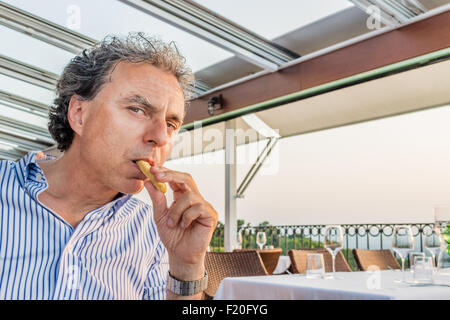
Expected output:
(187, 288)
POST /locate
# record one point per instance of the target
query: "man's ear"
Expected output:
(75, 113)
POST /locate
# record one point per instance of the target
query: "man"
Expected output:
(69, 227)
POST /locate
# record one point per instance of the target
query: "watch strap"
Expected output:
(186, 288)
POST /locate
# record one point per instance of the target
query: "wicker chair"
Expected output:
(221, 265)
(383, 259)
(298, 260)
(269, 257)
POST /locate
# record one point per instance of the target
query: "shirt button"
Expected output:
(39, 177)
(69, 247)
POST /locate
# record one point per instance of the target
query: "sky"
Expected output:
(385, 171)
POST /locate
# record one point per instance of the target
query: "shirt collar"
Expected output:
(24, 166)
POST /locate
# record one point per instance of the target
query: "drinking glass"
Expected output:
(239, 239)
(261, 239)
(433, 243)
(402, 243)
(333, 242)
(315, 266)
(423, 270)
(412, 258)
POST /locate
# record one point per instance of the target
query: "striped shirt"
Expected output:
(113, 253)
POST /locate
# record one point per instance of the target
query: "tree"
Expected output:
(264, 224)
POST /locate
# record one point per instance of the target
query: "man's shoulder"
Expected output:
(141, 205)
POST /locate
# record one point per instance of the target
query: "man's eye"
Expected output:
(172, 126)
(136, 110)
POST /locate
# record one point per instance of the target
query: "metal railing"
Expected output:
(357, 236)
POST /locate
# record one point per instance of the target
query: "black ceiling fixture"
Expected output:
(215, 103)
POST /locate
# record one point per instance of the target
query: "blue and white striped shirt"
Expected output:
(113, 253)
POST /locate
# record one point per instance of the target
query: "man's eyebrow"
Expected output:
(150, 107)
(139, 100)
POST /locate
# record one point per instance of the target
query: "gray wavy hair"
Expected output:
(88, 72)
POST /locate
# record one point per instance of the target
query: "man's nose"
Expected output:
(157, 132)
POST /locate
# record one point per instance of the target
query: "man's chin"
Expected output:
(132, 186)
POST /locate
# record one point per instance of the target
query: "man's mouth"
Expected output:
(150, 162)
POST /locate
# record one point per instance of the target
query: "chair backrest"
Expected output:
(221, 265)
(383, 259)
(268, 256)
(298, 260)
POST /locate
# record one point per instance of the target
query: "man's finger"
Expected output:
(190, 215)
(158, 198)
(184, 180)
(196, 213)
(181, 205)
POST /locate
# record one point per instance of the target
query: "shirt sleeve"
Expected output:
(155, 286)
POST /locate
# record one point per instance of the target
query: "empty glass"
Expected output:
(402, 243)
(239, 239)
(423, 270)
(315, 266)
(413, 256)
(433, 242)
(333, 242)
(261, 239)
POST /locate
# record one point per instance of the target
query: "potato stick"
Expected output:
(144, 166)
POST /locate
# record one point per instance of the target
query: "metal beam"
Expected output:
(10, 155)
(200, 88)
(230, 226)
(24, 72)
(26, 131)
(21, 144)
(43, 30)
(203, 23)
(392, 12)
(23, 104)
(256, 166)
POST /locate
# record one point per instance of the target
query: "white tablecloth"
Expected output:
(284, 262)
(354, 285)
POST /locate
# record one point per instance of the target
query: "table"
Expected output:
(378, 285)
(284, 262)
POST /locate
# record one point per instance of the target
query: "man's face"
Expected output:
(136, 115)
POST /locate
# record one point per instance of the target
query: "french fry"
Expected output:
(144, 166)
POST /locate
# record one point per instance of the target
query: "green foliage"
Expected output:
(447, 238)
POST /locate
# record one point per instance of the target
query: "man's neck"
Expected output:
(73, 190)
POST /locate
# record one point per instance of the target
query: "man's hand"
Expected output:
(186, 227)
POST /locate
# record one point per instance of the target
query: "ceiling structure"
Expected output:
(237, 54)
